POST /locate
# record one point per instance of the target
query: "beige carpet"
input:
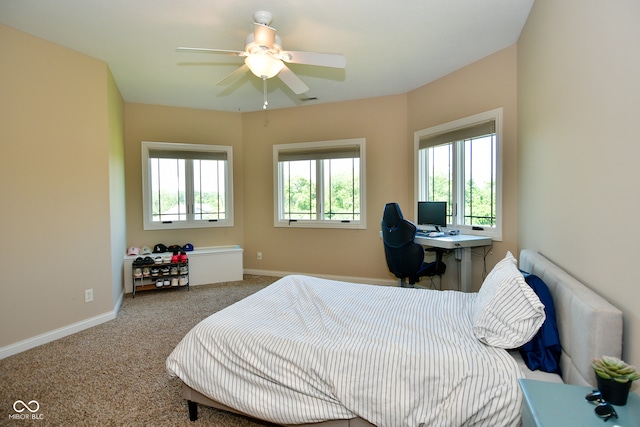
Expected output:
(114, 374)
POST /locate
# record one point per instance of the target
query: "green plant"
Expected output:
(612, 368)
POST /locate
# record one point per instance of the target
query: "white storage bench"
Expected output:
(211, 264)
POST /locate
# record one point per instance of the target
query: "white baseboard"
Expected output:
(353, 279)
(56, 334)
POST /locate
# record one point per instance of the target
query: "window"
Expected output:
(320, 184)
(186, 185)
(459, 163)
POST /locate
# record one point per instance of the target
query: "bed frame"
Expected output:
(589, 327)
(194, 397)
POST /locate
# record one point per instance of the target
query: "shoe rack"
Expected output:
(160, 271)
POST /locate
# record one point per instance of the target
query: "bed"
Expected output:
(316, 352)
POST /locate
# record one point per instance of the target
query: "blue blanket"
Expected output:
(544, 350)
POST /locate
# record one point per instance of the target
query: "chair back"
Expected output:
(404, 256)
(392, 215)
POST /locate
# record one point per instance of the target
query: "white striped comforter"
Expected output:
(306, 350)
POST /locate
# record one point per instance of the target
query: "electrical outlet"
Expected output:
(259, 256)
(88, 295)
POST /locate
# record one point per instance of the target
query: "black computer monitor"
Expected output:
(432, 213)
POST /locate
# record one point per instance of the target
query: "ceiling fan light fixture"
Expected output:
(264, 56)
(264, 65)
(250, 44)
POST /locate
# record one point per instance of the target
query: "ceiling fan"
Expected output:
(265, 57)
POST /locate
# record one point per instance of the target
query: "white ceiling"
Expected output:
(391, 46)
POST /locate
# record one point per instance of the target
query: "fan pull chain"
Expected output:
(264, 89)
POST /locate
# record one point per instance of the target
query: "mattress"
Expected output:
(307, 350)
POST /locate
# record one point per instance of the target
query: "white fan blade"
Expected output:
(263, 35)
(314, 58)
(290, 79)
(206, 50)
(233, 75)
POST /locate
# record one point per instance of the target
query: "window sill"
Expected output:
(353, 225)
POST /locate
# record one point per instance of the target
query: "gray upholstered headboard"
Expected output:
(589, 325)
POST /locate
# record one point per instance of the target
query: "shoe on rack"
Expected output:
(182, 281)
(137, 273)
(155, 271)
(174, 271)
(157, 260)
(184, 269)
(146, 272)
(138, 262)
(159, 283)
(183, 256)
(166, 259)
(147, 260)
(167, 282)
(174, 281)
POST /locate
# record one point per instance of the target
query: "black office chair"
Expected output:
(405, 258)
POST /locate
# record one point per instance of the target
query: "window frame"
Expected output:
(147, 211)
(278, 197)
(496, 115)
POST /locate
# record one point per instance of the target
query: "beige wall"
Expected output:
(482, 86)
(578, 124)
(55, 217)
(117, 187)
(170, 124)
(353, 253)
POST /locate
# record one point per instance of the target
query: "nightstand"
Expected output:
(563, 405)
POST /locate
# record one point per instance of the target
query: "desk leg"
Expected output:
(466, 279)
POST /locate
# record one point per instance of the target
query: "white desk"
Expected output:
(462, 245)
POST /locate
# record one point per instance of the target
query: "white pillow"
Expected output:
(507, 313)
